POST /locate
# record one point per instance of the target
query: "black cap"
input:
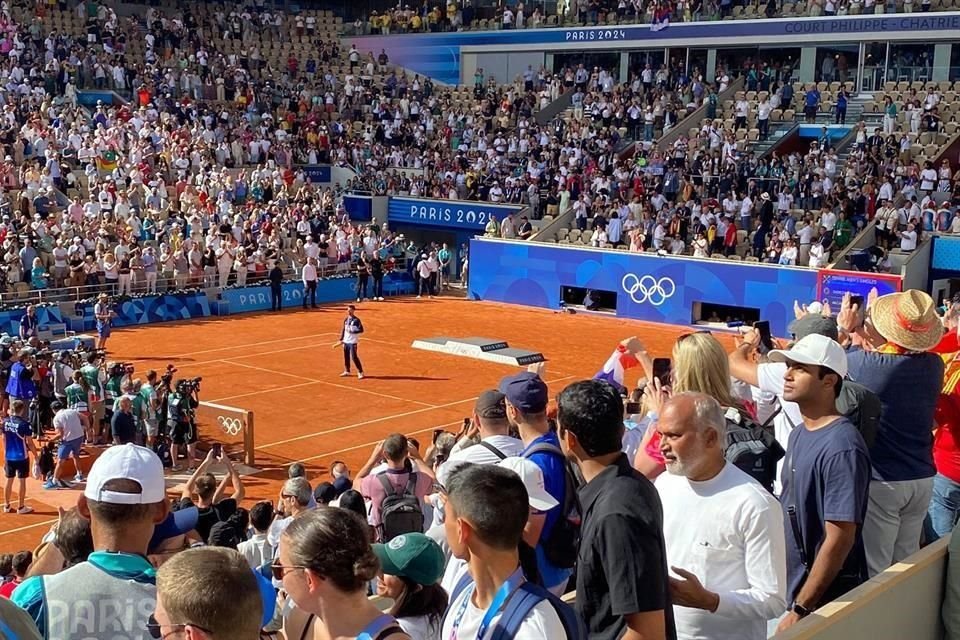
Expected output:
(491, 404)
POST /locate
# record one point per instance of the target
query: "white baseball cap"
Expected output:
(817, 350)
(127, 462)
(532, 478)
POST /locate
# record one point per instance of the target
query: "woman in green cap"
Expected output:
(411, 566)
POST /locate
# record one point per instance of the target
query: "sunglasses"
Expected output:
(278, 570)
(154, 628)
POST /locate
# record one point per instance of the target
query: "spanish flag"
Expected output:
(107, 161)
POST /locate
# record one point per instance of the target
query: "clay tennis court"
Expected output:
(282, 367)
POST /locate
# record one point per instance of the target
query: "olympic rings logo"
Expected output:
(648, 289)
(232, 426)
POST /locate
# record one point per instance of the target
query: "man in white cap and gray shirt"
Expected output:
(114, 591)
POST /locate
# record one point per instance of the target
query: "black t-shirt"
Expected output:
(123, 428)
(209, 516)
(826, 476)
(623, 557)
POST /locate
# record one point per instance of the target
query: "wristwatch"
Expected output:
(800, 610)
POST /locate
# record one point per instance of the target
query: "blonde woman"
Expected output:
(699, 363)
(240, 266)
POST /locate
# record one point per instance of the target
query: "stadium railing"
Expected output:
(902, 602)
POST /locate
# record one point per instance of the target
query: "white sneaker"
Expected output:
(359, 376)
(345, 374)
(358, 299)
(25, 509)
(78, 477)
(418, 297)
(380, 299)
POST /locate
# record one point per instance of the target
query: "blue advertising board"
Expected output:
(150, 309)
(648, 287)
(438, 54)
(317, 172)
(257, 298)
(359, 208)
(832, 285)
(457, 215)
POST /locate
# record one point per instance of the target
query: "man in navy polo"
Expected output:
(526, 397)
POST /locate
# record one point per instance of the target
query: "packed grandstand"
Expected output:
(737, 488)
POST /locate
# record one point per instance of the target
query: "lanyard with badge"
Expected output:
(501, 597)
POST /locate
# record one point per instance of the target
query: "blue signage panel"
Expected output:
(317, 172)
(833, 285)
(150, 309)
(359, 208)
(946, 254)
(648, 287)
(438, 54)
(257, 298)
(451, 214)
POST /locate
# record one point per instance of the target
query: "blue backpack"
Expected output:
(519, 605)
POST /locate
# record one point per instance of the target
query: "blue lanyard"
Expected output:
(498, 601)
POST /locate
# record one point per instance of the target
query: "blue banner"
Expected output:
(90, 98)
(317, 173)
(648, 287)
(46, 314)
(438, 54)
(360, 208)
(150, 309)
(257, 298)
(459, 215)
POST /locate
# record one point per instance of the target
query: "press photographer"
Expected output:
(95, 375)
(181, 405)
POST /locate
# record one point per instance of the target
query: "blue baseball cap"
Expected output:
(525, 391)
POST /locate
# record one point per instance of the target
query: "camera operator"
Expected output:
(95, 376)
(62, 376)
(78, 398)
(150, 408)
(24, 376)
(182, 402)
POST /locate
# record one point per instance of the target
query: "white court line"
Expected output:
(382, 419)
(29, 526)
(331, 384)
(369, 444)
(262, 391)
(240, 346)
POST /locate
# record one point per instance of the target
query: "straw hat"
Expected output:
(907, 319)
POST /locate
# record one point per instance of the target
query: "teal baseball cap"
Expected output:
(412, 555)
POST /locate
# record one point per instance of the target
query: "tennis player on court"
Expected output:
(349, 337)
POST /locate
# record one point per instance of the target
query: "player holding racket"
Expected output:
(349, 337)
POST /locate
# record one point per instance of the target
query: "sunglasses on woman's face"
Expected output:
(278, 570)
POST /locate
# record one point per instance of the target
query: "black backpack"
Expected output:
(400, 513)
(561, 546)
(862, 407)
(752, 448)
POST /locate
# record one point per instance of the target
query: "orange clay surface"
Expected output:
(281, 366)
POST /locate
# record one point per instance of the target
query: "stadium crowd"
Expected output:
(196, 182)
(804, 468)
(456, 16)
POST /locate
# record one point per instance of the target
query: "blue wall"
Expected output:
(532, 274)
